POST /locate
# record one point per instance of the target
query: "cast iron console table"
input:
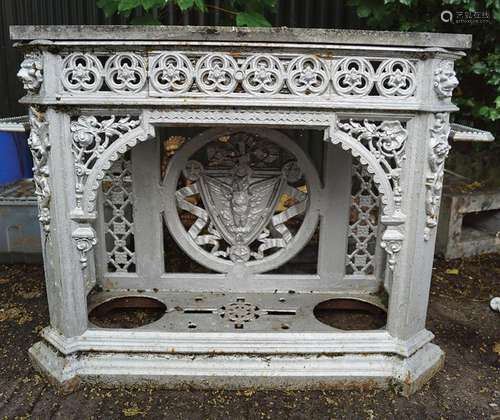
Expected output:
(239, 148)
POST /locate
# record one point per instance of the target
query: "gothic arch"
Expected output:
(144, 128)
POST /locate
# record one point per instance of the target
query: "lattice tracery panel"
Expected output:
(118, 216)
(363, 223)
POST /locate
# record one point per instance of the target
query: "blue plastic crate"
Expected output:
(15, 157)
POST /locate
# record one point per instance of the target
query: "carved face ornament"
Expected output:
(445, 80)
(30, 72)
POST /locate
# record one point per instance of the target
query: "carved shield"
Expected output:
(240, 214)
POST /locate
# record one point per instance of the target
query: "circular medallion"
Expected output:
(241, 197)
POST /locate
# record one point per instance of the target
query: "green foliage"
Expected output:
(488, 67)
(479, 93)
(236, 12)
(251, 12)
(109, 7)
(200, 5)
(251, 19)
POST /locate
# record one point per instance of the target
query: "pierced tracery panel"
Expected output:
(94, 138)
(123, 73)
(118, 216)
(386, 142)
(363, 223)
(182, 73)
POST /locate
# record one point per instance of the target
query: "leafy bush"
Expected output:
(237, 12)
(478, 97)
(478, 94)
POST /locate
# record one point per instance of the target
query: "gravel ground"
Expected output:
(467, 388)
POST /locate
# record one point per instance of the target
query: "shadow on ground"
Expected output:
(467, 388)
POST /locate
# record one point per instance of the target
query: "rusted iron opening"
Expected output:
(350, 314)
(127, 312)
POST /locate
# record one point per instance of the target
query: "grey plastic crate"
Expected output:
(20, 240)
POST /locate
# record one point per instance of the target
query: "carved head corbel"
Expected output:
(31, 72)
(445, 80)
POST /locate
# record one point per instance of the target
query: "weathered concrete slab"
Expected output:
(469, 224)
(222, 33)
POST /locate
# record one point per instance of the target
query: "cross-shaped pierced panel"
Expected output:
(118, 216)
(363, 223)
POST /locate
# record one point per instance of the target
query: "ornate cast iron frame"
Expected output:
(93, 99)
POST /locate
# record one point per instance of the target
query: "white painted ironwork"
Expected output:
(125, 72)
(263, 74)
(171, 73)
(186, 73)
(445, 80)
(103, 103)
(31, 72)
(118, 216)
(93, 142)
(39, 144)
(363, 223)
(353, 76)
(396, 78)
(381, 146)
(234, 194)
(85, 239)
(82, 72)
(438, 151)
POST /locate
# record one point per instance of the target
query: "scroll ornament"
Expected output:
(38, 142)
(438, 151)
(85, 239)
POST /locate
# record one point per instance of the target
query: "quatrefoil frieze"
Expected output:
(172, 74)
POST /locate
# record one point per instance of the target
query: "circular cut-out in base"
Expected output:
(350, 314)
(127, 312)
